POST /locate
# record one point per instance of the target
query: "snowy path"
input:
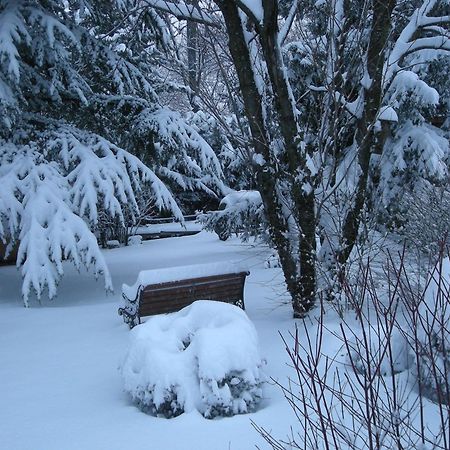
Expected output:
(59, 384)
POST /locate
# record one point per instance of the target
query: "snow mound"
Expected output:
(242, 200)
(204, 357)
(376, 356)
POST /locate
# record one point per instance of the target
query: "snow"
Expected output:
(52, 205)
(165, 275)
(256, 8)
(401, 358)
(60, 387)
(135, 240)
(258, 159)
(434, 309)
(191, 359)
(388, 114)
(242, 199)
(12, 30)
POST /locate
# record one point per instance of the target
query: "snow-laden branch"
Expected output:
(355, 108)
(408, 43)
(12, 31)
(287, 23)
(52, 192)
(183, 11)
(189, 159)
(34, 200)
(253, 9)
(51, 232)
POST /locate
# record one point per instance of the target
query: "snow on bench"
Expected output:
(171, 289)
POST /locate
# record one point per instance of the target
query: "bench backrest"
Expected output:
(172, 296)
(175, 295)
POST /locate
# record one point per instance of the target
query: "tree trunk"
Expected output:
(303, 199)
(297, 253)
(366, 137)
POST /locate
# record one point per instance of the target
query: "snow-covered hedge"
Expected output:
(203, 357)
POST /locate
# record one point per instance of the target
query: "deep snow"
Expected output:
(60, 388)
(60, 385)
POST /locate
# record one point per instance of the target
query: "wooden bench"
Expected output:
(171, 296)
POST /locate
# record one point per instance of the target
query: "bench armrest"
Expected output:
(130, 310)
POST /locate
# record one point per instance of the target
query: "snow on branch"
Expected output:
(408, 42)
(408, 84)
(10, 206)
(189, 159)
(253, 9)
(288, 23)
(183, 11)
(12, 31)
(51, 24)
(34, 205)
(52, 232)
(420, 149)
(103, 175)
(53, 188)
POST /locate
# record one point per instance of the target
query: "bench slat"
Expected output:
(190, 288)
(203, 295)
(151, 305)
(180, 295)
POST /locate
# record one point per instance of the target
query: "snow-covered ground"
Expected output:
(60, 388)
(60, 384)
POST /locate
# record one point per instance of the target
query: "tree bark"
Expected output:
(367, 138)
(303, 199)
(297, 253)
(192, 40)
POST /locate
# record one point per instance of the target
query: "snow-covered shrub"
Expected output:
(203, 357)
(349, 387)
(273, 261)
(433, 360)
(113, 244)
(425, 216)
(135, 240)
(240, 212)
(374, 354)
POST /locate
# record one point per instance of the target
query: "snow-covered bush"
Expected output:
(135, 240)
(203, 357)
(240, 212)
(350, 387)
(424, 216)
(273, 261)
(385, 354)
(433, 335)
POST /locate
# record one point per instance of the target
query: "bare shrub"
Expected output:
(387, 386)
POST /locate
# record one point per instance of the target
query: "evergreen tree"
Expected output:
(79, 104)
